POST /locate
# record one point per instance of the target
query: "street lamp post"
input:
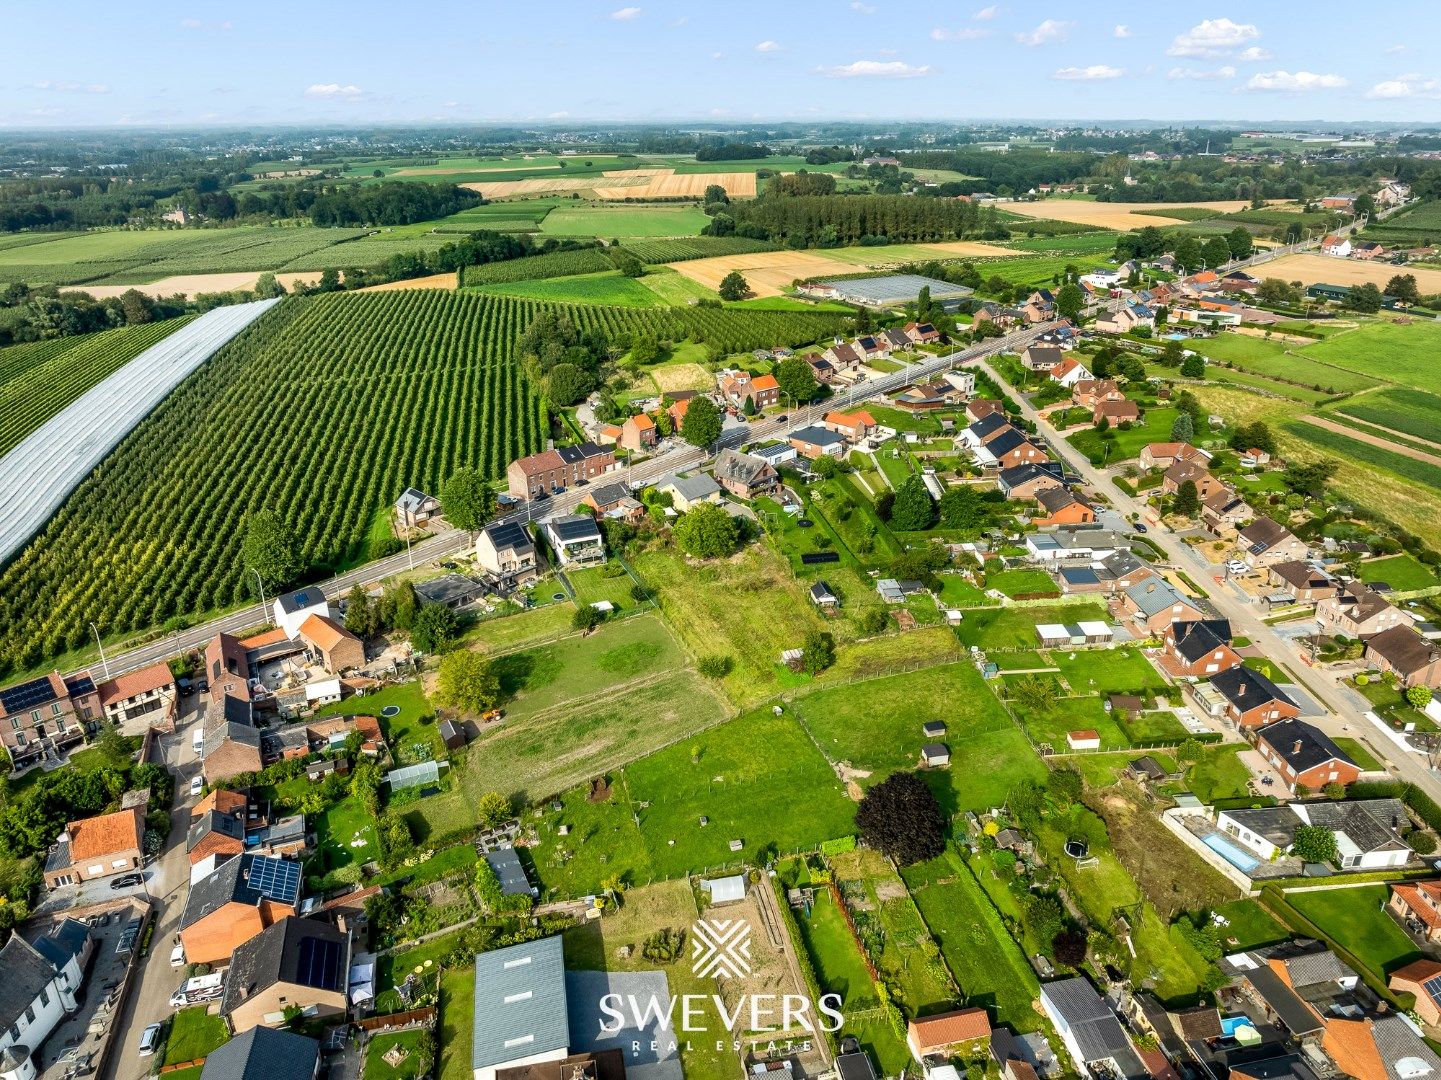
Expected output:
(104, 664)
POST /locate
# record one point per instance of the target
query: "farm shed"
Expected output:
(888, 290)
(427, 772)
(726, 890)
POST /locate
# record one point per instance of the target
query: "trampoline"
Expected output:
(1077, 849)
(390, 710)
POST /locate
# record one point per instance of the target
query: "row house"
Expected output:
(1305, 756)
(1199, 648)
(140, 693)
(1402, 652)
(555, 470)
(51, 712)
(1355, 611)
(1307, 584)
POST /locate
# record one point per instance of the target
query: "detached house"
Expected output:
(613, 500)
(745, 475)
(1224, 510)
(854, 426)
(1307, 584)
(1030, 481)
(1206, 484)
(42, 984)
(1059, 506)
(936, 1037)
(1356, 612)
(1420, 978)
(415, 509)
(1337, 245)
(1088, 393)
(1200, 648)
(921, 333)
(1402, 652)
(1155, 604)
(1116, 412)
(1042, 358)
(814, 441)
(1266, 542)
(1069, 372)
(504, 550)
(97, 847)
(1417, 904)
(842, 357)
(687, 492)
(1305, 756)
(1165, 454)
(1252, 700)
(575, 539)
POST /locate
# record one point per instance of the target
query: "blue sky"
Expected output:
(102, 63)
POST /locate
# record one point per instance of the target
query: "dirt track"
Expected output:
(1373, 440)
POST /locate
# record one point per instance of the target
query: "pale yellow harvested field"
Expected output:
(1328, 270)
(434, 281)
(970, 249)
(670, 377)
(768, 273)
(1112, 215)
(436, 170)
(624, 184)
(193, 284)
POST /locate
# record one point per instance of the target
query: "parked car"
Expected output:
(1140, 527)
(127, 881)
(197, 784)
(177, 955)
(149, 1039)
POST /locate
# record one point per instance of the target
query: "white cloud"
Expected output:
(1224, 72)
(66, 87)
(335, 90)
(1121, 31)
(1406, 86)
(625, 14)
(1088, 74)
(876, 69)
(1213, 37)
(450, 104)
(191, 24)
(768, 46)
(718, 111)
(197, 24)
(1287, 82)
(965, 33)
(862, 9)
(986, 14)
(1049, 32)
(1255, 52)
(717, 56)
(561, 115)
(1397, 50)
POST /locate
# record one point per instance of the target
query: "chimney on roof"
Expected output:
(1296, 747)
(1241, 690)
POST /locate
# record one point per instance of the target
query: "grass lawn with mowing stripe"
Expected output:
(457, 1023)
(1355, 919)
(1404, 573)
(194, 1033)
(624, 222)
(1107, 671)
(1015, 627)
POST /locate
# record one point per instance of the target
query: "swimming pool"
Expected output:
(1231, 853)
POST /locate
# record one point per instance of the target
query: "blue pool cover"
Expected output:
(1231, 853)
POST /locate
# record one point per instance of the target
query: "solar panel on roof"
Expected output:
(80, 684)
(27, 695)
(1433, 987)
(278, 879)
(319, 964)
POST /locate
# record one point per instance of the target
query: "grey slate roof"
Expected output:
(1246, 689)
(63, 943)
(1155, 595)
(816, 436)
(1402, 1050)
(1294, 1013)
(245, 879)
(520, 1003)
(1301, 745)
(506, 865)
(988, 424)
(263, 1053)
(301, 598)
(227, 825)
(692, 488)
(742, 468)
(26, 973)
(571, 454)
(608, 494)
(299, 952)
(1195, 639)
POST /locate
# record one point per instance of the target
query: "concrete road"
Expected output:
(446, 544)
(167, 880)
(1346, 716)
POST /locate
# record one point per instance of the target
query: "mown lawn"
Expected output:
(757, 779)
(602, 841)
(524, 628)
(1355, 919)
(1107, 671)
(415, 723)
(609, 582)
(1219, 774)
(345, 833)
(1404, 573)
(457, 1023)
(1248, 926)
(411, 1068)
(1015, 627)
(194, 1033)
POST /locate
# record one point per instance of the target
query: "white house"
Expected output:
(41, 983)
(963, 382)
(293, 608)
(575, 539)
(1367, 830)
(1340, 246)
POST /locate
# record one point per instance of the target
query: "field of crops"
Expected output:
(324, 410)
(1417, 225)
(538, 267)
(1411, 412)
(696, 247)
(1420, 472)
(624, 221)
(37, 380)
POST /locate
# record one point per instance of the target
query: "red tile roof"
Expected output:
(948, 1029)
(96, 837)
(154, 677)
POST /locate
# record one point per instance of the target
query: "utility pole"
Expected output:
(104, 664)
(261, 581)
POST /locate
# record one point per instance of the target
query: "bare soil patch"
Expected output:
(624, 184)
(768, 273)
(434, 281)
(193, 284)
(1331, 270)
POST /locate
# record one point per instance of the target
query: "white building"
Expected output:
(41, 983)
(1367, 830)
(575, 539)
(293, 608)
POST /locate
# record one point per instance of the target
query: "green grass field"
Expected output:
(194, 1033)
(602, 841)
(1015, 628)
(757, 779)
(1388, 351)
(876, 725)
(1355, 919)
(344, 834)
(625, 222)
(982, 954)
(1297, 363)
(1107, 671)
(1404, 573)
(609, 582)
(609, 287)
(673, 288)
(1409, 411)
(1320, 439)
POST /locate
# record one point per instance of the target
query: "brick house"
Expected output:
(1088, 393)
(557, 469)
(1206, 484)
(335, 646)
(48, 712)
(139, 693)
(980, 408)
(293, 963)
(812, 442)
(234, 903)
(1417, 978)
(1305, 756)
(227, 668)
(765, 391)
(842, 357)
(1403, 652)
(1252, 700)
(854, 426)
(1418, 903)
(1059, 506)
(97, 847)
(1200, 648)
(1224, 510)
(1028, 481)
(215, 835)
(1165, 454)
(1116, 412)
(1155, 604)
(1266, 542)
(1356, 612)
(232, 743)
(1010, 447)
(921, 333)
(638, 433)
(745, 475)
(1306, 583)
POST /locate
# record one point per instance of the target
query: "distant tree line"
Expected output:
(394, 203)
(806, 221)
(718, 150)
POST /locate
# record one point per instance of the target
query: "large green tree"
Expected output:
(702, 423)
(913, 509)
(733, 287)
(707, 532)
(1186, 502)
(467, 681)
(900, 818)
(1070, 301)
(467, 500)
(270, 548)
(435, 628)
(1314, 844)
(1239, 241)
(797, 380)
(1183, 428)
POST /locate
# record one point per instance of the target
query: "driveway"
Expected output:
(167, 882)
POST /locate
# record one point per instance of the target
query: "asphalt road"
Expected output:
(446, 544)
(1346, 717)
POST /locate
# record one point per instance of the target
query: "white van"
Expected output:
(177, 955)
(197, 740)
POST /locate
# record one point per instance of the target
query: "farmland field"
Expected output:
(1319, 438)
(538, 267)
(694, 247)
(1302, 364)
(1382, 349)
(607, 287)
(767, 273)
(1113, 215)
(1331, 270)
(614, 221)
(39, 379)
(1411, 412)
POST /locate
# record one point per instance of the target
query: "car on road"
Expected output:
(1140, 527)
(197, 784)
(149, 1038)
(177, 955)
(127, 881)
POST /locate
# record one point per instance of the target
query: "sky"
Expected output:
(103, 64)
